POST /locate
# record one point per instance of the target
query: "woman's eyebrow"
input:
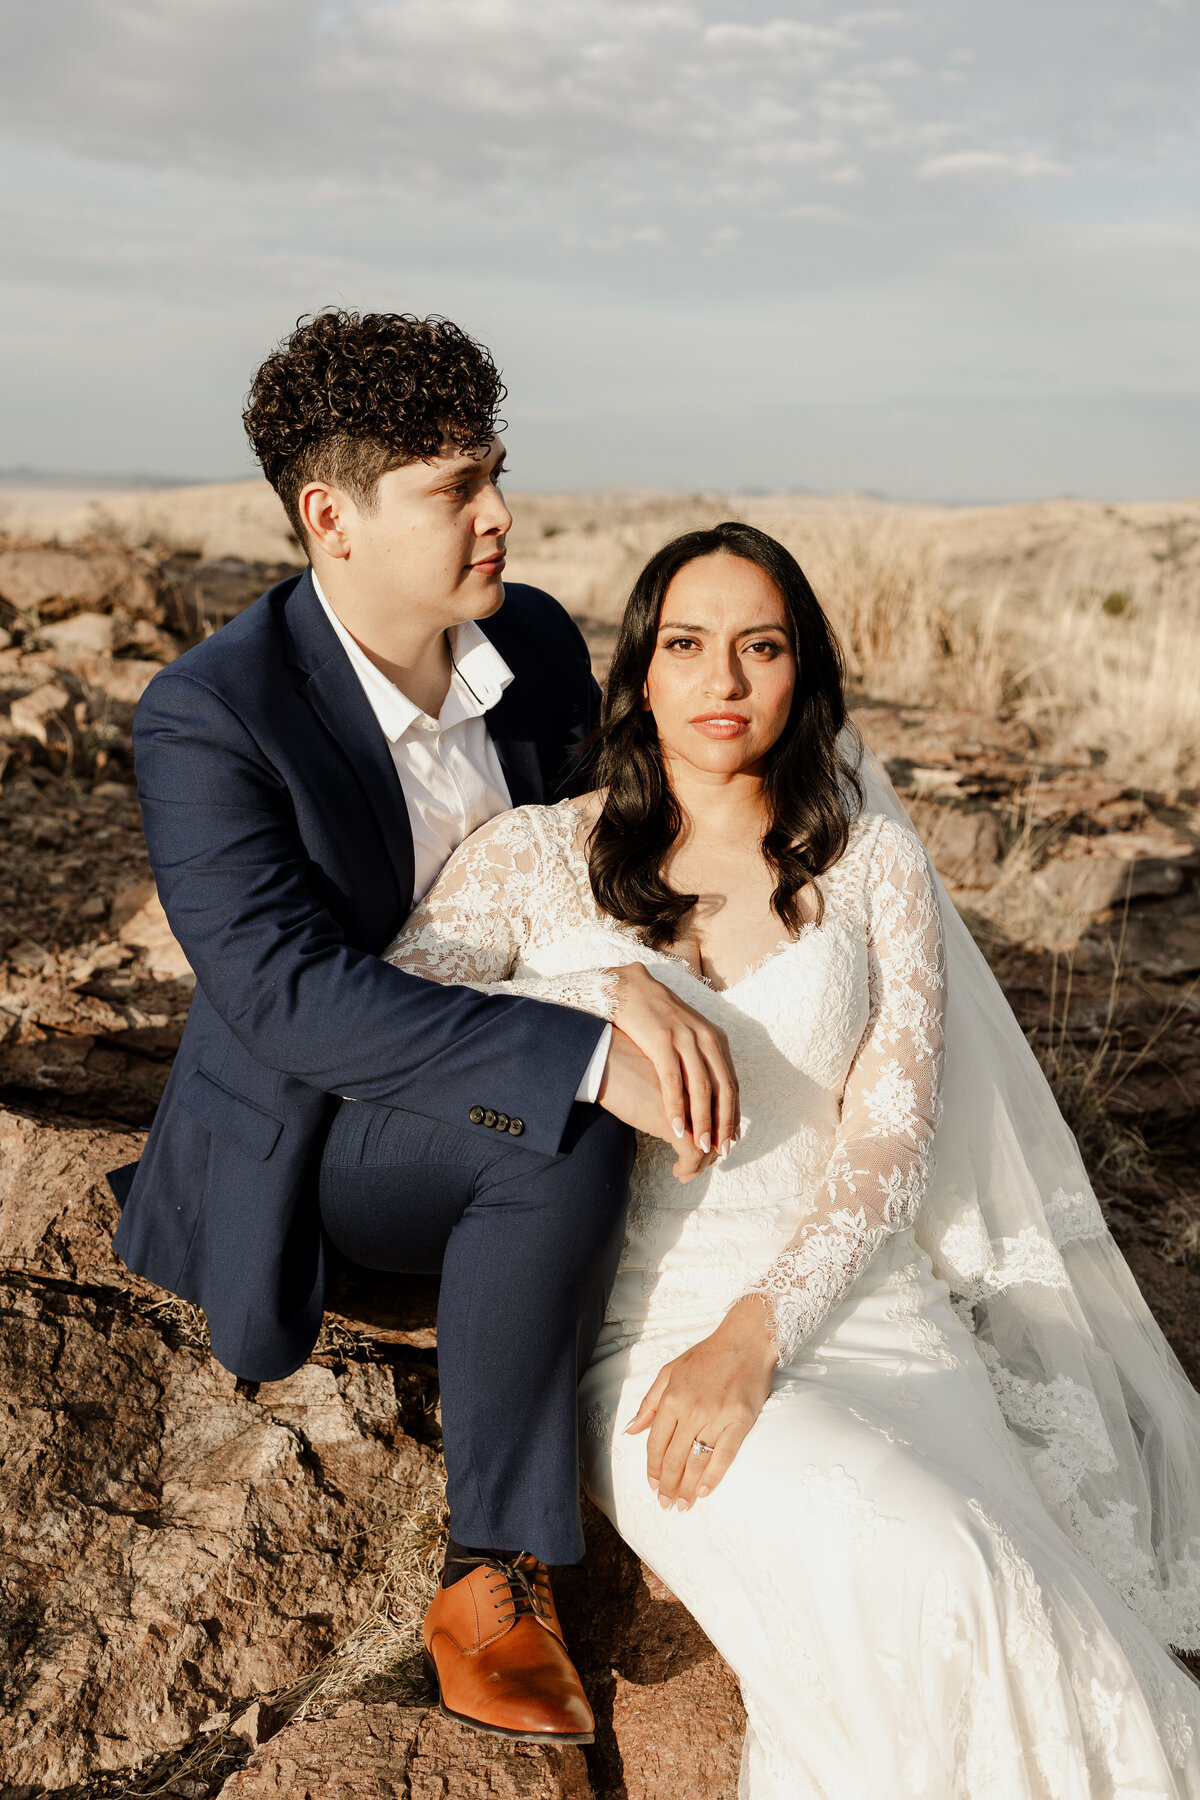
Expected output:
(746, 630)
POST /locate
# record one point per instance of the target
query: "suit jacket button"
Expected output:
(501, 1121)
(489, 1117)
(476, 1115)
(515, 1127)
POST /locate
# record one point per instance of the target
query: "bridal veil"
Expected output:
(1106, 1420)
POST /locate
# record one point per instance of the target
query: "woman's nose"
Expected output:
(724, 678)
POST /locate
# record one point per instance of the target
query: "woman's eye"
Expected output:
(681, 643)
(765, 644)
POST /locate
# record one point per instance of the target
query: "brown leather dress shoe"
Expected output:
(494, 1647)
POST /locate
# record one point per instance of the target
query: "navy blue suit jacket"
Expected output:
(281, 846)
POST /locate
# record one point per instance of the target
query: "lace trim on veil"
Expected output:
(1103, 1416)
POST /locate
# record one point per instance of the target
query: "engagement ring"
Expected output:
(700, 1448)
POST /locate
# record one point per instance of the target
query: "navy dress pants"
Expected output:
(527, 1246)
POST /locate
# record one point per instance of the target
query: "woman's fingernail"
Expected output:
(706, 1142)
(702, 1493)
(677, 1126)
(653, 1484)
(683, 1505)
(726, 1147)
(664, 1503)
(631, 1424)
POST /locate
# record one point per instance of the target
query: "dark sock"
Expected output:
(462, 1560)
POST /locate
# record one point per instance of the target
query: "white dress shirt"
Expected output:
(449, 771)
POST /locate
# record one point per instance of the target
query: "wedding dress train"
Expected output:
(913, 1602)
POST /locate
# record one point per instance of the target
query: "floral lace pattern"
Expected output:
(879, 1169)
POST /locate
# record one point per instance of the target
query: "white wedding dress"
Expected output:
(900, 1565)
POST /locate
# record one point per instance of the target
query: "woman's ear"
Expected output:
(644, 703)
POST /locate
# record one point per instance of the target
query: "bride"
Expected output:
(875, 1394)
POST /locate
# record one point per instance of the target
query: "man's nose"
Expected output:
(493, 515)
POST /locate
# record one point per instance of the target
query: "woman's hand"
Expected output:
(690, 1056)
(713, 1392)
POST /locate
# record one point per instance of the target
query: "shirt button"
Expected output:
(489, 1117)
(515, 1127)
(476, 1115)
(501, 1121)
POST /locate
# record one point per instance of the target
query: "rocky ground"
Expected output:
(202, 1580)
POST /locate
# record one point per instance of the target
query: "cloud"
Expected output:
(973, 165)
(613, 166)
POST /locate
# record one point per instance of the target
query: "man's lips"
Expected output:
(721, 724)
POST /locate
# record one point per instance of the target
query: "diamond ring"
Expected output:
(700, 1448)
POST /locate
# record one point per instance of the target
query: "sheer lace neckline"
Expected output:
(629, 933)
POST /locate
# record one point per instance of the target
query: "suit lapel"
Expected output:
(335, 694)
(520, 761)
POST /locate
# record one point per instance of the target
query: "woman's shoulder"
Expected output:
(877, 842)
(528, 834)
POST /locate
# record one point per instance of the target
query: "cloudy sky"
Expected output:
(947, 249)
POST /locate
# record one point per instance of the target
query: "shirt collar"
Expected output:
(480, 677)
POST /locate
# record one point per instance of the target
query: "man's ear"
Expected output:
(326, 511)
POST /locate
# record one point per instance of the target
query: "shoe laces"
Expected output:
(525, 1583)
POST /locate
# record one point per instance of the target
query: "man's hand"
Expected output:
(629, 1090)
(690, 1056)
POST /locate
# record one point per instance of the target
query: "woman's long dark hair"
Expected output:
(811, 790)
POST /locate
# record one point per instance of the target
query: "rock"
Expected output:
(118, 790)
(965, 846)
(386, 1752)
(256, 1726)
(31, 714)
(128, 901)
(86, 634)
(1164, 940)
(1092, 884)
(58, 583)
(94, 908)
(123, 679)
(147, 930)
(57, 1212)
(168, 1540)
(669, 1714)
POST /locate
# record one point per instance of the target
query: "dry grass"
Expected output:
(382, 1657)
(1083, 617)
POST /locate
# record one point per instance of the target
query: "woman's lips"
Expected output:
(721, 725)
(491, 565)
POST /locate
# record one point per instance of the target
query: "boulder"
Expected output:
(55, 584)
(35, 714)
(387, 1752)
(1092, 884)
(86, 634)
(57, 1212)
(171, 1538)
(147, 930)
(964, 845)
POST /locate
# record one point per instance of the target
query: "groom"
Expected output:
(303, 775)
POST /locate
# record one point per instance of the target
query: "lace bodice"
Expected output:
(837, 1039)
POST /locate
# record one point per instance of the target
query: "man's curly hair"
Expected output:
(349, 396)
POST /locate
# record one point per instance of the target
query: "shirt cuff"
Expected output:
(589, 1088)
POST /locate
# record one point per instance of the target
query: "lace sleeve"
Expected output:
(879, 1169)
(475, 922)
